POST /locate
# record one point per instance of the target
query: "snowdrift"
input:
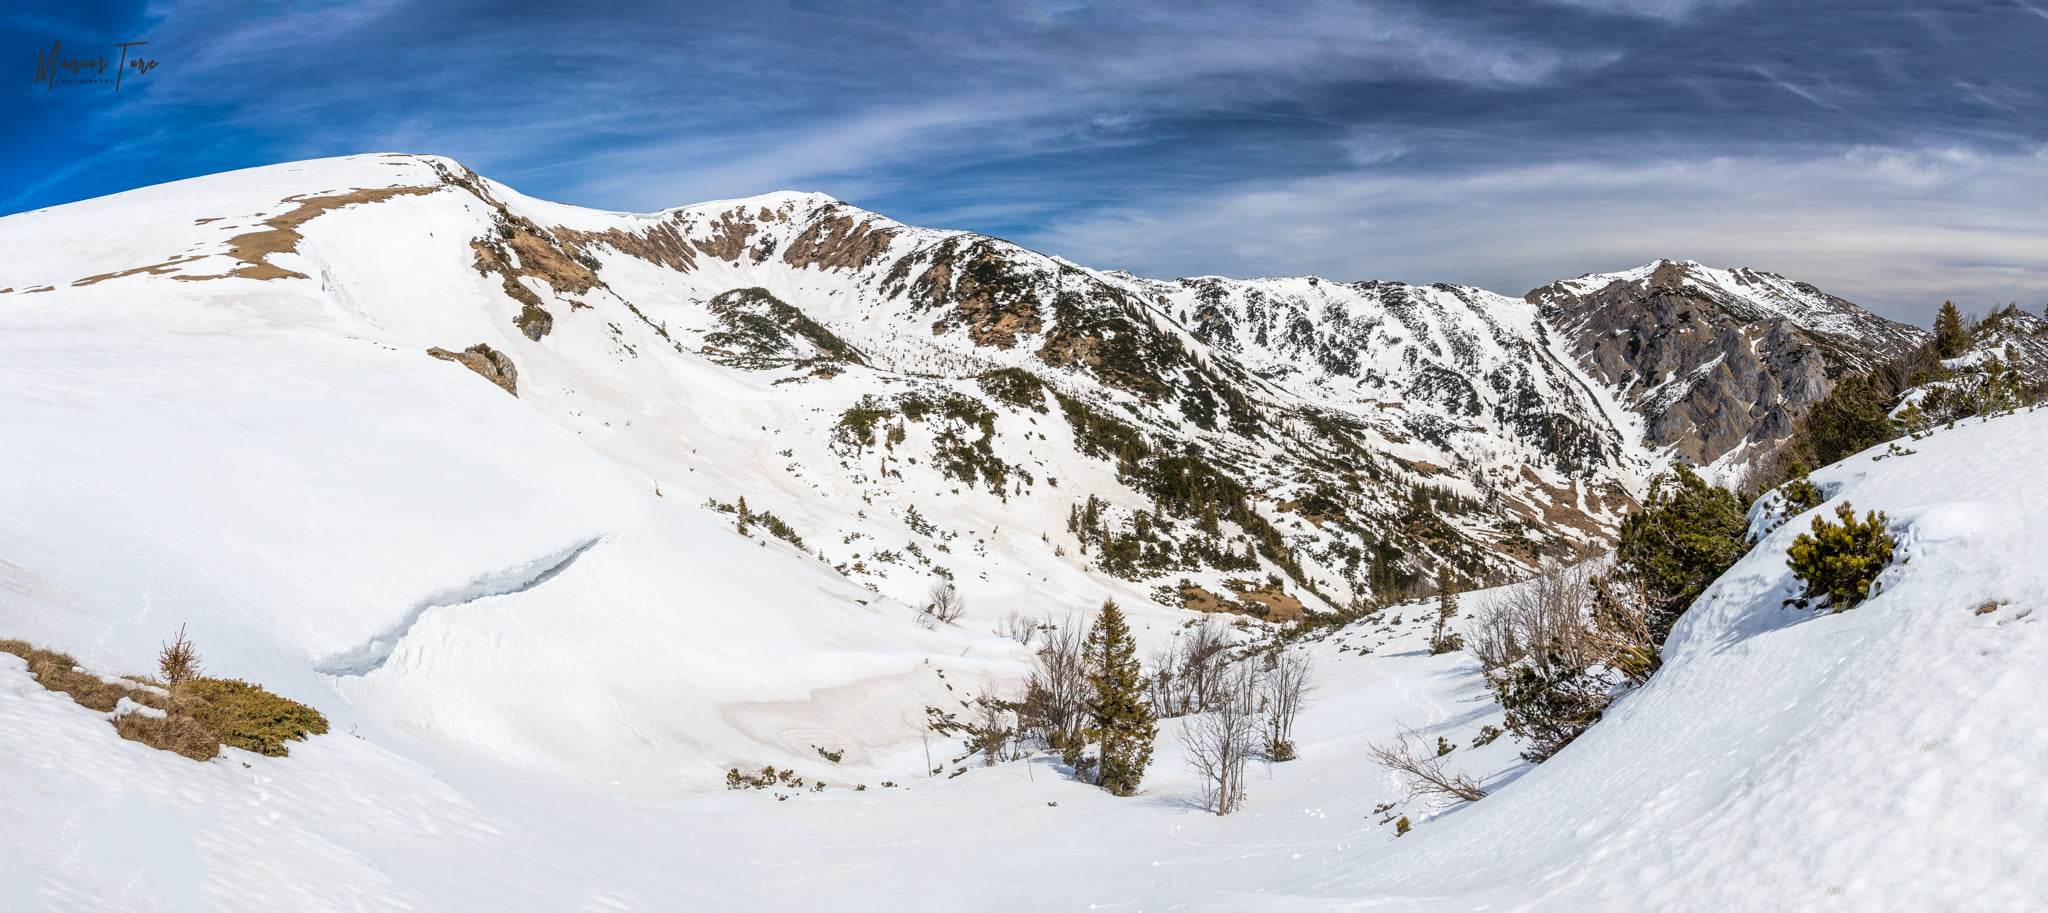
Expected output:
(385, 535)
(1883, 758)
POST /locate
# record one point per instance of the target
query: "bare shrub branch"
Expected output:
(946, 606)
(1542, 621)
(1058, 690)
(1423, 770)
(1019, 627)
(1283, 687)
(1188, 674)
(1560, 647)
(1223, 739)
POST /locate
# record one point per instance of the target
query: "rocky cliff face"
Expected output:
(1718, 363)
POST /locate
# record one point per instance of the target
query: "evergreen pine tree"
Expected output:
(1119, 717)
(1445, 640)
(1686, 534)
(1950, 339)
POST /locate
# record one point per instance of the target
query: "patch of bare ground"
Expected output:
(518, 248)
(1279, 605)
(838, 243)
(155, 269)
(1294, 507)
(1559, 506)
(282, 231)
(167, 722)
(193, 718)
(662, 244)
(729, 235)
(990, 300)
(1270, 602)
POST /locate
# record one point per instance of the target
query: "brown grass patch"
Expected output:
(1198, 599)
(197, 717)
(1270, 602)
(283, 232)
(177, 733)
(1280, 606)
(838, 243)
(59, 672)
(156, 269)
(661, 244)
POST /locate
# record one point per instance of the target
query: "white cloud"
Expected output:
(1670, 10)
(1896, 230)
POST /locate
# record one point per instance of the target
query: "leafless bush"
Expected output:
(1283, 687)
(1055, 696)
(1422, 769)
(1622, 631)
(179, 660)
(1221, 740)
(1187, 675)
(1020, 628)
(1543, 621)
(1560, 647)
(946, 606)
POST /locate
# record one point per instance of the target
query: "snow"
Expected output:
(1876, 759)
(538, 669)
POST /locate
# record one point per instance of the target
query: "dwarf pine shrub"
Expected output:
(1687, 534)
(1841, 561)
(193, 716)
(246, 716)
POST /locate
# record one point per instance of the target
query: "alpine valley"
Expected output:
(566, 517)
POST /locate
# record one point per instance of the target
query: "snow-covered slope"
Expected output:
(1882, 758)
(385, 535)
(542, 644)
(1876, 760)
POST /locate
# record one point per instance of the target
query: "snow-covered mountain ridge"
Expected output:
(1353, 436)
(540, 650)
(1719, 363)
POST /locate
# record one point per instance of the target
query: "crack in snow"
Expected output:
(372, 654)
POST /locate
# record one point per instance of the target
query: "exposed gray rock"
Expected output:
(1716, 360)
(492, 364)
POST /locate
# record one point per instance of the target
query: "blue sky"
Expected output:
(1893, 153)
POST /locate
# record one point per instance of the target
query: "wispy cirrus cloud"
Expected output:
(1056, 119)
(1897, 230)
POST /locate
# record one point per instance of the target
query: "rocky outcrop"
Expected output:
(490, 363)
(1715, 361)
